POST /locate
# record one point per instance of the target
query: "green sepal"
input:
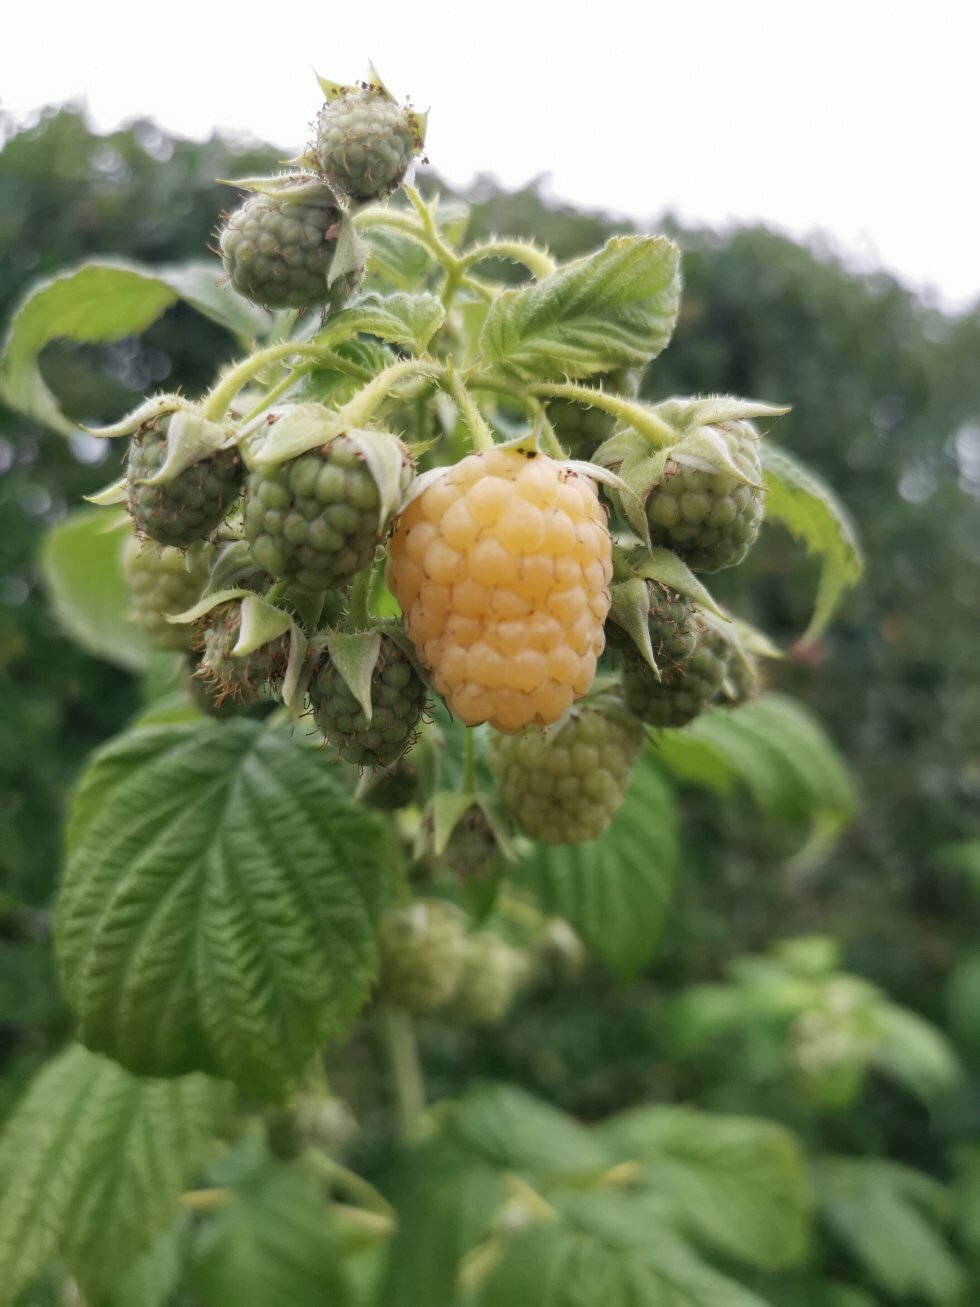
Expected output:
(663, 565)
(448, 809)
(385, 456)
(630, 609)
(190, 437)
(688, 413)
(355, 655)
(350, 254)
(332, 90)
(290, 187)
(706, 450)
(294, 680)
(109, 496)
(285, 432)
(260, 623)
(148, 411)
(205, 605)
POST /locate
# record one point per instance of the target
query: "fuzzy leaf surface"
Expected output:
(103, 301)
(613, 309)
(398, 319)
(92, 1150)
(81, 562)
(735, 1182)
(811, 512)
(615, 890)
(220, 903)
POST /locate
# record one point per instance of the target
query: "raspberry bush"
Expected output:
(431, 541)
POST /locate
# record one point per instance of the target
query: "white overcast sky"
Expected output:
(859, 120)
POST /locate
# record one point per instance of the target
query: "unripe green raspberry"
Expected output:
(566, 784)
(277, 249)
(684, 693)
(472, 845)
(675, 628)
(711, 519)
(163, 581)
(193, 503)
(421, 955)
(580, 429)
(397, 701)
(242, 677)
(491, 973)
(394, 787)
(315, 520)
(365, 142)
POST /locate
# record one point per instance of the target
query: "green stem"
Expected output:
(403, 1059)
(538, 262)
(480, 432)
(352, 1183)
(357, 604)
(242, 373)
(653, 429)
(547, 439)
(469, 763)
(204, 1200)
(357, 412)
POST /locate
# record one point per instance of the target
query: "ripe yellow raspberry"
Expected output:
(502, 567)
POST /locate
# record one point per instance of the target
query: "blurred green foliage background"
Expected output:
(885, 396)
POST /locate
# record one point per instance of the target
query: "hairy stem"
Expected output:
(398, 1034)
(538, 262)
(357, 412)
(480, 433)
(357, 604)
(217, 403)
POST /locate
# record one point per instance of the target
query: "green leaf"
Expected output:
(398, 319)
(810, 510)
(102, 301)
(615, 890)
(446, 1203)
(220, 904)
(598, 1255)
(914, 1052)
(888, 1216)
(778, 750)
(151, 1280)
(92, 1149)
(736, 1182)
(81, 562)
(270, 1244)
(511, 1129)
(613, 309)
